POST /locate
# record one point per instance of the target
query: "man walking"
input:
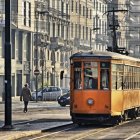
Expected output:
(26, 95)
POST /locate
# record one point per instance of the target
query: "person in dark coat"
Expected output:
(26, 96)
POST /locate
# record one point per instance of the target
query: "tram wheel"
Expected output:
(132, 114)
(117, 120)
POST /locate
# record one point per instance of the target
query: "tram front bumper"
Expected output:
(91, 118)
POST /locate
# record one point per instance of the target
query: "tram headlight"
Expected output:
(90, 101)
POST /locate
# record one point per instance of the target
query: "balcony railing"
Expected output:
(99, 38)
(57, 42)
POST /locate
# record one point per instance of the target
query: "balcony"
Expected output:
(131, 35)
(101, 39)
(98, 38)
(57, 42)
(105, 39)
(82, 44)
(67, 46)
(47, 39)
(129, 19)
(129, 2)
(85, 44)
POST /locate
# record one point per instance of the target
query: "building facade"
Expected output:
(133, 27)
(22, 26)
(100, 39)
(53, 45)
(81, 24)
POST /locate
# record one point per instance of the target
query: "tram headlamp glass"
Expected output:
(90, 101)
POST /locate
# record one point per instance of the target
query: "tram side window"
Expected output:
(126, 78)
(77, 75)
(117, 75)
(104, 74)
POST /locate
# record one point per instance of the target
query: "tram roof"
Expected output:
(104, 55)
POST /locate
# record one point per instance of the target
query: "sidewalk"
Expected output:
(46, 119)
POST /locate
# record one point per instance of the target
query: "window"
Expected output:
(72, 3)
(86, 12)
(26, 12)
(67, 10)
(76, 7)
(53, 29)
(79, 31)
(83, 32)
(77, 75)
(72, 30)
(62, 30)
(80, 9)
(83, 10)
(117, 76)
(76, 30)
(90, 14)
(104, 75)
(86, 33)
(58, 29)
(90, 75)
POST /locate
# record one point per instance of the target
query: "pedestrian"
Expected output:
(26, 96)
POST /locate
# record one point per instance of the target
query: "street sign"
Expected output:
(36, 72)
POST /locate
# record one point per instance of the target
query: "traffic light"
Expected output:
(61, 74)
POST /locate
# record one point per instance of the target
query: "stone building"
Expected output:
(22, 27)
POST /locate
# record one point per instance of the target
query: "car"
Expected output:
(50, 93)
(64, 99)
(64, 90)
(39, 94)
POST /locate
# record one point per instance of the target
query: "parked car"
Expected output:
(39, 94)
(49, 93)
(65, 90)
(64, 99)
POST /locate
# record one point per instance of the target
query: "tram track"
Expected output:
(75, 132)
(70, 132)
(67, 131)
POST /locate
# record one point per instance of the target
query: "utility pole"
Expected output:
(115, 47)
(8, 102)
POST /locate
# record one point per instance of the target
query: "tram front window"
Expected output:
(77, 75)
(90, 75)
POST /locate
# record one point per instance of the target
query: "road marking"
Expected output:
(132, 136)
(50, 134)
(92, 133)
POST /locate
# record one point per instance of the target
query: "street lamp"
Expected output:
(8, 91)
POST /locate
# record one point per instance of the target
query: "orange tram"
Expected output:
(105, 87)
